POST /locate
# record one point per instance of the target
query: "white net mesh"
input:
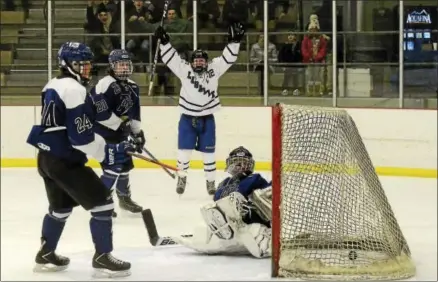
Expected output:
(336, 221)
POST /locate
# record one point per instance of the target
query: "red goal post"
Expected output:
(331, 218)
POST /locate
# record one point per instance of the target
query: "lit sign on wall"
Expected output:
(416, 17)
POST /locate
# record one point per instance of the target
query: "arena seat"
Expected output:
(12, 17)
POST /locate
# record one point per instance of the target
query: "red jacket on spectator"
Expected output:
(307, 50)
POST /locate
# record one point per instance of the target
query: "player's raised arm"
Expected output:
(222, 63)
(169, 55)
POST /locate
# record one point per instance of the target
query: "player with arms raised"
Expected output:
(117, 105)
(63, 139)
(199, 100)
(235, 224)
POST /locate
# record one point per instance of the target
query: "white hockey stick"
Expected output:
(154, 238)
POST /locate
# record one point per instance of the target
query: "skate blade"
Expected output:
(126, 213)
(106, 273)
(42, 268)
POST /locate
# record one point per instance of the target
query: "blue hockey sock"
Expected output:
(109, 178)
(101, 227)
(122, 185)
(53, 225)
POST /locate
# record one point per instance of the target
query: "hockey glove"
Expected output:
(116, 154)
(236, 31)
(161, 34)
(139, 141)
(125, 128)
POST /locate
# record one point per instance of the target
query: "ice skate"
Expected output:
(181, 185)
(127, 204)
(107, 266)
(211, 189)
(49, 261)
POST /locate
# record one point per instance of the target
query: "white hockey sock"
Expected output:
(209, 166)
(184, 159)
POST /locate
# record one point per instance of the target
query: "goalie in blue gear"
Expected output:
(234, 223)
(117, 107)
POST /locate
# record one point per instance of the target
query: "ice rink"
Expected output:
(23, 205)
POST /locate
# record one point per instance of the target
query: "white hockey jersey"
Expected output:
(199, 92)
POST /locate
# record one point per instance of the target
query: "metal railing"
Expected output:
(344, 63)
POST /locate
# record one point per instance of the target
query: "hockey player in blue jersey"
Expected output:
(233, 224)
(117, 107)
(199, 100)
(64, 138)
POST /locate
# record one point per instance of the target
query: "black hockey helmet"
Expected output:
(240, 160)
(199, 61)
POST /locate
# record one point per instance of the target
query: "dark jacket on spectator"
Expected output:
(96, 26)
(290, 53)
(205, 8)
(92, 11)
(237, 10)
(158, 6)
(179, 26)
(273, 4)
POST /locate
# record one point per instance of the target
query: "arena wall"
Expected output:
(400, 142)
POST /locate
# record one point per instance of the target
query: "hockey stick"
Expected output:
(155, 159)
(151, 228)
(154, 162)
(157, 51)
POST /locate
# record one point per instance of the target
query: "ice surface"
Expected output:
(23, 205)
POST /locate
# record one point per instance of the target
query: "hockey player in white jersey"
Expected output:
(233, 222)
(199, 100)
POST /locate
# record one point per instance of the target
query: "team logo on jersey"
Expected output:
(199, 86)
(126, 103)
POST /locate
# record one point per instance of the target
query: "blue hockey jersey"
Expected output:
(115, 101)
(245, 185)
(66, 127)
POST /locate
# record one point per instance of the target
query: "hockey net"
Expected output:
(331, 217)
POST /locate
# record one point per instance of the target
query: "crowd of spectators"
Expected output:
(142, 18)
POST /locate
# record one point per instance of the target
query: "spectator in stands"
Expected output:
(290, 53)
(257, 55)
(138, 21)
(314, 50)
(208, 15)
(236, 11)
(258, 13)
(174, 25)
(156, 7)
(102, 24)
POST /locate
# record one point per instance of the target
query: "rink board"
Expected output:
(399, 142)
(261, 166)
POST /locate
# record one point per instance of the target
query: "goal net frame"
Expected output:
(398, 266)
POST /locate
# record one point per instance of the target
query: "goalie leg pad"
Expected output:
(217, 222)
(257, 239)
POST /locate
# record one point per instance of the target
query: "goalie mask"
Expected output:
(199, 61)
(240, 161)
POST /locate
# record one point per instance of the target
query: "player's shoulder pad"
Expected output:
(104, 84)
(71, 92)
(132, 82)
